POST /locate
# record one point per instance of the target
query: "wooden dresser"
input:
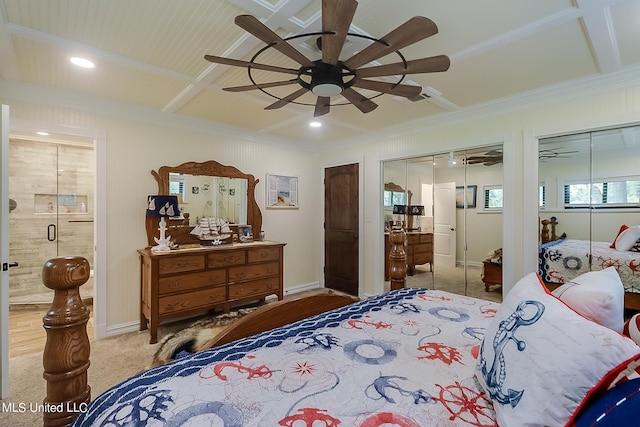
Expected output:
(187, 282)
(419, 250)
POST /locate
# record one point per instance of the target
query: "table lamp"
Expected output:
(400, 210)
(162, 206)
(414, 210)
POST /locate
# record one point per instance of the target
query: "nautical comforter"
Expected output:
(563, 260)
(406, 358)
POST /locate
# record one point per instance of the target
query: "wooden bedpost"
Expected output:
(397, 259)
(544, 234)
(553, 221)
(66, 352)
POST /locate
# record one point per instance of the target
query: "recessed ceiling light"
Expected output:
(82, 62)
(315, 124)
(43, 133)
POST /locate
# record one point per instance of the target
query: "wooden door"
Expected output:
(341, 213)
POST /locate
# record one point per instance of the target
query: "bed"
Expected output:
(560, 260)
(411, 357)
(356, 365)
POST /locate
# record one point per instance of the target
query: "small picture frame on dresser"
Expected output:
(244, 233)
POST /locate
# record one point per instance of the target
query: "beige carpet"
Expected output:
(112, 361)
(453, 280)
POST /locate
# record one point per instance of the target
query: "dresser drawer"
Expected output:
(185, 282)
(191, 300)
(263, 254)
(250, 272)
(413, 239)
(181, 264)
(421, 258)
(226, 259)
(260, 287)
(420, 249)
(426, 238)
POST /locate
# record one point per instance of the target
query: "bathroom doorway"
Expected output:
(52, 194)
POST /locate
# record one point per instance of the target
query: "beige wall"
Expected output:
(514, 125)
(134, 148)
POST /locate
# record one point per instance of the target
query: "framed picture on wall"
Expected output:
(466, 197)
(282, 191)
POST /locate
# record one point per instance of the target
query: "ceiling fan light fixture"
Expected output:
(326, 89)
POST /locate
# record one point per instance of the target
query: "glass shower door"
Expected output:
(52, 185)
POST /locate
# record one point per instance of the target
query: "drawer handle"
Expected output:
(174, 285)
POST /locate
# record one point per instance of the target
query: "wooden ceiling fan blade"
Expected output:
(284, 101)
(260, 86)
(361, 102)
(408, 91)
(336, 18)
(412, 31)
(254, 26)
(425, 65)
(323, 104)
(240, 63)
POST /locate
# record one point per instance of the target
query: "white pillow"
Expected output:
(627, 238)
(597, 295)
(539, 359)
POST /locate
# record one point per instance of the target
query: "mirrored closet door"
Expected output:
(461, 192)
(589, 189)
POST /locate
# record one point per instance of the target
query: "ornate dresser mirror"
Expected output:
(204, 190)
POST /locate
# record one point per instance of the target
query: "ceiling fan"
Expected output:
(490, 158)
(494, 157)
(330, 76)
(555, 153)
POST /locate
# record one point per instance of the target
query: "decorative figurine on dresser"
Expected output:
(211, 267)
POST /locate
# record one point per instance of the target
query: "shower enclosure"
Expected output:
(51, 191)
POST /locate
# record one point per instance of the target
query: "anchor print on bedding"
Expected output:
(495, 371)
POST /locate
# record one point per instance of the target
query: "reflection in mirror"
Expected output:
(408, 185)
(468, 206)
(208, 189)
(589, 189)
(457, 241)
(210, 196)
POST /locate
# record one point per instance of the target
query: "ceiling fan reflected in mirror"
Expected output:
(490, 158)
(329, 76)
(494, 157)
(554, 153)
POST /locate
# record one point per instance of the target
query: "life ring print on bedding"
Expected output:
(371, 352)
(572, 263)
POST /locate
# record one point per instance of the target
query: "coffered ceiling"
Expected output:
(149, 56)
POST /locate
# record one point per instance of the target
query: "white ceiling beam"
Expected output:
(598, 27)
(272, 18)
(519, 33)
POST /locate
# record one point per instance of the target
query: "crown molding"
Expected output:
(76, 101)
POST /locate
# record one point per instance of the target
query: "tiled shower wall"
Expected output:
(53, 187)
